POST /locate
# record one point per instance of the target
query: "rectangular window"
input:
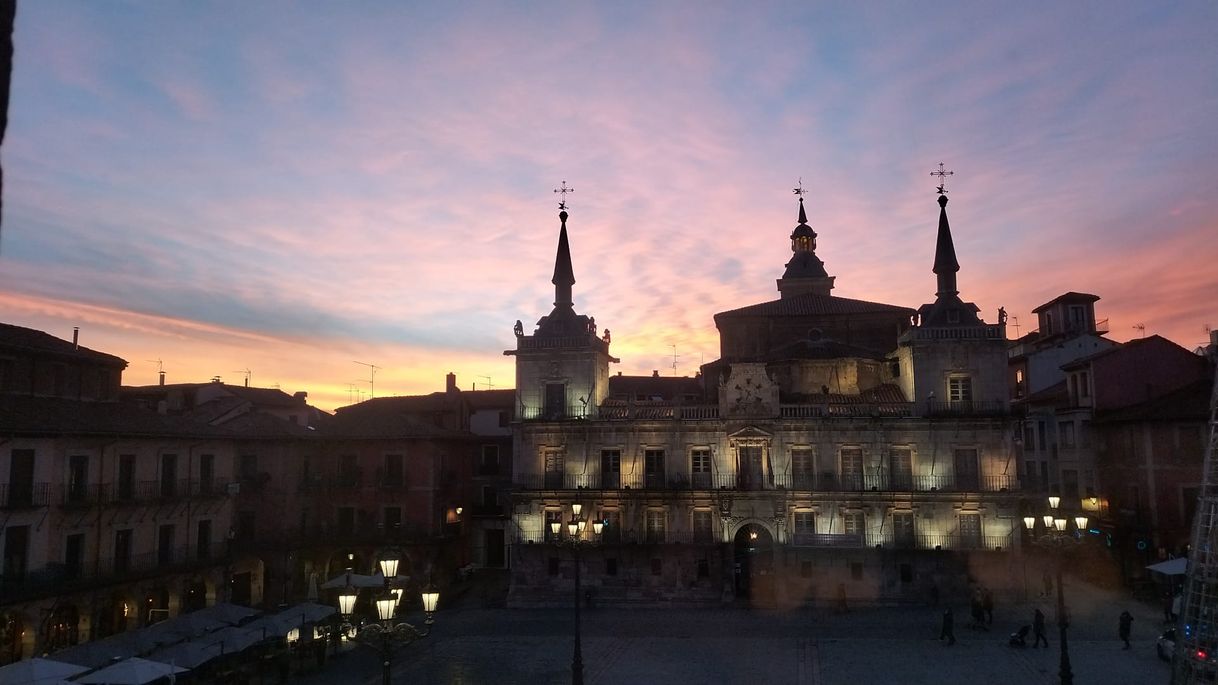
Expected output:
(655, 526)
(73, 555)
(556, 400)
(126, 476)
(1070, 484)
(348, 471)
(207, 473)
(1040, 436)
(21, 479)
(553, 461)
(968, 476)
(852, 468)
(903, 529)
(488, 465)
(490, 498)
(970, 531)
(203, 540)
(16, 552)
(804, 527)
(169, 475)
(391, 517)
(164, 545)
(749, 467)
(393, 471)
(1084, 385)
(702, 526)
(1029, 437)
(612, 532)
(960, 389)
(700, 467)
(611, 469)
(122, 550)
(1067, 429)
(78, 478)
(854, 525)
(653, 468)
(505, 418)
(900, 468)
(803, 468)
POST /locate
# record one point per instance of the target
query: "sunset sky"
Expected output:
(290, 188)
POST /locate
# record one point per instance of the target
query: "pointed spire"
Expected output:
(946, 265)
(803, 218)
(564, 274)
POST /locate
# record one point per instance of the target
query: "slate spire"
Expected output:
(946, 265)
(564, 275)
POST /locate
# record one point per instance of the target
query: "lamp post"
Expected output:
(1056, 537)
(385, 635)
(576, 529)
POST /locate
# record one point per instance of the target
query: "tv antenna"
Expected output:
(1141, 329)
(1015, 325)
(247, 374)
(675, 357)
(488, 383)
(371, 377)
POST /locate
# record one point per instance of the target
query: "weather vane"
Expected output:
(562, 195)
(799, 190)
(942, 177)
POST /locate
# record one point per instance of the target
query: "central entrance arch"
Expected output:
(753, 549)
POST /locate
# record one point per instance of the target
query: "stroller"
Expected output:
(1019, 638)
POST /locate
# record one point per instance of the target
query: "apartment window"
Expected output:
(126, 476)
(73, 555)
(78, 478)
(169, 475)
(900, 468)
(852, 468)
(203, 540)
(348, 472)
(611, 468)
(488, 464)
(803, 468)
(207, 472)
(1070, 484)
(1019, 389)
(16, 551)
(853, 523)
(505, 418)
(700, 467)
(1084, 383)
(248, 467)
(903, 528)
(655, 525)
(804, 526)
(653, 467)
(968, 474)
(702, 526)
(490, 497)
(393, 470)
(392, 518)
(1078, 317)
(1040, 435)
(164, 546)
(960, 389)
(1029, 436)
(612, 532)
(556, 400)
(122, 550)
(1067, 430)
(970, 530)
(1048, 323)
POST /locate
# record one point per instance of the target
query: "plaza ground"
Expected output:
(472, 644)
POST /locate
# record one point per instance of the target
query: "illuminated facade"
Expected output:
(837, 448)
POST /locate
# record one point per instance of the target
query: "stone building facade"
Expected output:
(838, 448)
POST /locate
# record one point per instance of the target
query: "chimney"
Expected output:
(162, 374)
(301, 395)
(655, 373)
(76, 337)
(450, 383)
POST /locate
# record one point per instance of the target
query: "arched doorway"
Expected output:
(753, 549)
(62, 628)
(194, 596)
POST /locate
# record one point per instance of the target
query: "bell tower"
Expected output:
(805, 272)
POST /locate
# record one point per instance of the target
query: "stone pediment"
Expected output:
(748, 391)
(750, 432)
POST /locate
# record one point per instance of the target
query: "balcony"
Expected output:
(845, 410)
(35, 495)
(824, 482)
(887, 540)
(59, 579)
(937, 408)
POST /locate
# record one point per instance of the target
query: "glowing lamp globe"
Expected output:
(1080, 522)
(1054, 500)
(385, 605)
(346, 602)
(598, 526)
(1059, 524)
(430, 599)
(1029, 522)
(389, 567)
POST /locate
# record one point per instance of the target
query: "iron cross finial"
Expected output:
(799, 189)
(562, 194)
(942, 178)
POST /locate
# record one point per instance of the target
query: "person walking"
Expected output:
(1038, 628)
(949, 628)
(1126, 624)
(987, 603)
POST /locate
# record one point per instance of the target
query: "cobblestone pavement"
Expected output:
(813, 647)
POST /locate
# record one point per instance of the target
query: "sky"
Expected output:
(292, 188)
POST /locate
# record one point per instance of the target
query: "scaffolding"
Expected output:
(1196, 657)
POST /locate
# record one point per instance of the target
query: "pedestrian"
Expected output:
(949, 628)
(1126, 624)
(1038, 627)
(987, 603)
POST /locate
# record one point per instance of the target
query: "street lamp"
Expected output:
(1056, 537)
(576, 532)
(384, 635)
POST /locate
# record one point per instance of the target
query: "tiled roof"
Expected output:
(385, 421)
(53, 416)
(813, 304)
(1190, 403)
(886, 393)
(1068, 297)
(666, 387)
(490, 399)
(36, 341)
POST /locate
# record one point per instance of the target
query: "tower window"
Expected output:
(960, 389)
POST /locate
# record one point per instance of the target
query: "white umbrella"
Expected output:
(38, 671)
(188, 654)
(354, 580)
(306, 612)
(133, 671)
(1171, 567)
(233, 640)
